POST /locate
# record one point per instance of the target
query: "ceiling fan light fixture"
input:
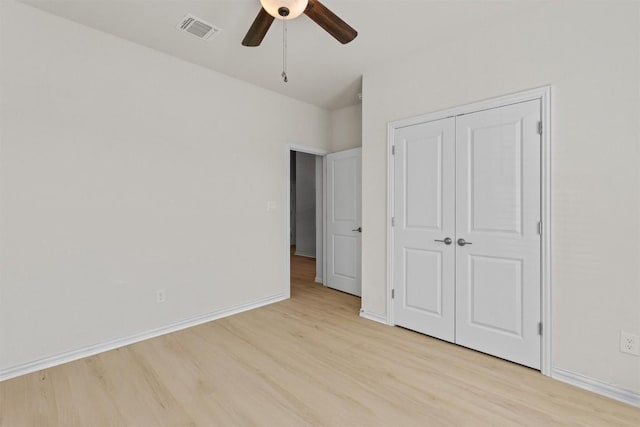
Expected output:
(278, 8)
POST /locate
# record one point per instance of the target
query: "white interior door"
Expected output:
(497, 215)
(344, 227)
(424, 217)
(475, 179)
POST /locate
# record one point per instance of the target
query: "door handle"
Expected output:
(446, 241)
(462, 242)
(359, 229)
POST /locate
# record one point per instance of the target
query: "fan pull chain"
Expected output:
(284, 51)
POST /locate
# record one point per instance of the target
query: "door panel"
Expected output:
(423, 277)
(423, 183)
(495, 282)
(344, 254)
(344, 171)
(423, 281)
(497, 212)
(495, 177)
(343, 219)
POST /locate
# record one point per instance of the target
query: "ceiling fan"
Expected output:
(290, 9)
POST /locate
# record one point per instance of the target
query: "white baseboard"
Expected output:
(596, 386)
(319, 280)
(373, 316)
(69, 356)
(305, 255)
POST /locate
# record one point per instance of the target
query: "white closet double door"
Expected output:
(466, 239)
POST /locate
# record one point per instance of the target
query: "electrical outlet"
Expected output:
(160, 296)
(629, 343)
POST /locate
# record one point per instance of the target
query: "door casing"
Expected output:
(544, 95)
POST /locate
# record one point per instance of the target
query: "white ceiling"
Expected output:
(321, 70)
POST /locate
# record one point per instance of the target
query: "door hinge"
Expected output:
(540, 228)
(540, 128)
(393, 150)
(393, 293)
(539, 328)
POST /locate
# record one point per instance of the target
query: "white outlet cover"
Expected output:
(161, 296)
(629, 343)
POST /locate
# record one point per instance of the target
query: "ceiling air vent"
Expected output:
(197, 27)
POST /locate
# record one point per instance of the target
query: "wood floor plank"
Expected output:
(310, 360)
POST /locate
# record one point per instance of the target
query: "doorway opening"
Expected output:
(304, 195)
(323, 212)
(305, 217)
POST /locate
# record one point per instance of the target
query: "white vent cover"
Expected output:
(197, 27)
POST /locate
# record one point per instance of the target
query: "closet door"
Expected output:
(423, 273)
(497, 236)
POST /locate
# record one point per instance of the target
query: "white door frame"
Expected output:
(544, 95)
(287, 214)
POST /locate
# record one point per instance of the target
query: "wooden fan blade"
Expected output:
(330, 22)
(258, 29)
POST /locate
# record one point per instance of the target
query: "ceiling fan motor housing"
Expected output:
(284, 9)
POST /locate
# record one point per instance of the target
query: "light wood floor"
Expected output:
(306, 361)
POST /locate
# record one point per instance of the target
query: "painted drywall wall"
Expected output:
(124, 171)
(305, 204)
(346, 128)
(589, 52)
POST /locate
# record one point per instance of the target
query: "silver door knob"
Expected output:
(359, 229)
(446, 240)
(462, 242)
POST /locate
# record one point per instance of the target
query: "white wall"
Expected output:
(124, 171)
(346, 128)
(305, 204)
(590, 53)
